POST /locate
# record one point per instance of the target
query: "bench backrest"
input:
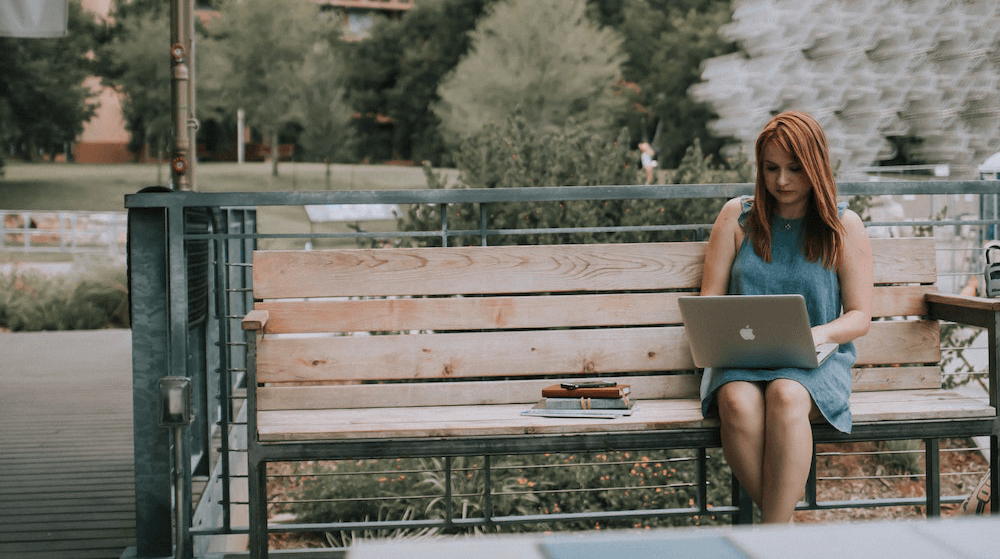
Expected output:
(399, 327)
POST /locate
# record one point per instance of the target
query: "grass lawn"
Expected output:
(93, 187)
(62, 186)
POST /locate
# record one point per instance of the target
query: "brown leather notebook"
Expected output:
(557, 391)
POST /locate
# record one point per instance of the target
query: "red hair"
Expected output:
(798, 134)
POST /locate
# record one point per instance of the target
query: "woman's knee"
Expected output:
(788, 397)
(740, 402)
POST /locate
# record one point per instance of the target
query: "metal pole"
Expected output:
(180, 51)
(179, 501)
(192, 117)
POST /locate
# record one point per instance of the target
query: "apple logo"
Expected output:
(747, 333)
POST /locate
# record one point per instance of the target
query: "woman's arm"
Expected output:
(723, 244)
(856, 286)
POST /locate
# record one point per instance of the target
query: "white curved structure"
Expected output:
(868, 70)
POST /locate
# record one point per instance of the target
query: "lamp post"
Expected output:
(175, 412)
(182, 93)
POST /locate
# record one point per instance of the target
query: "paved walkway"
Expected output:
(962, 538)
(67, 488)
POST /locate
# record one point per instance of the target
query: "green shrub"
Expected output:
(30, 301)
(512, 154)
(414, 489)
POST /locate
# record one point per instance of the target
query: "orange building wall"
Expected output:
(104, 138)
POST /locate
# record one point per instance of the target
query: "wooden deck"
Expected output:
(67, 487)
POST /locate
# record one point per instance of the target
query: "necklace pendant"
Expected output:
(788, 226)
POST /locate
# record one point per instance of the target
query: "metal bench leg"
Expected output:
(994, 474)
(932, 468)
(742, 500)
(257, 477)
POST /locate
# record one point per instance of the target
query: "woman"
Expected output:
(791, 237)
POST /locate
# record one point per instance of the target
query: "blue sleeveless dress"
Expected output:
(790, 272)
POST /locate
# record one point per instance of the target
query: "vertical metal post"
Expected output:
(932, 466)
(180, 53)
(191, 118)
(257, 467)
(993, 334)
(811, 497)
(487, 490)
(147, 272)
(743, 503)
(449, 507)
(703, 480)
(181, 549)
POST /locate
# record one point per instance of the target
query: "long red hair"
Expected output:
(798, 134)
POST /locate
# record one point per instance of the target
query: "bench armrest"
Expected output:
(964, 309)
(255, 320)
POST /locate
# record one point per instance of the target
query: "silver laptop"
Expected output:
(751, 332)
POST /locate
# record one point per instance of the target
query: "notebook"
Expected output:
(751, 332)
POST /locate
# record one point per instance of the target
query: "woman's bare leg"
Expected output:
(742, 412)
(788, 448)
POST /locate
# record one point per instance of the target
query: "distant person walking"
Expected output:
(648, 163)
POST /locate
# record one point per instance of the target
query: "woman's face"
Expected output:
(786, 180)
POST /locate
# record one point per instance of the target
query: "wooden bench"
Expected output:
(366, 353)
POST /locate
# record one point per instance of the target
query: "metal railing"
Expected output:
(190, 271)
(68, 232)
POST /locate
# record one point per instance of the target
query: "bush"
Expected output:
(512, 154)
(30, 301)
(414, 489)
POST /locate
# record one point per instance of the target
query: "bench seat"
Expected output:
(506, 419)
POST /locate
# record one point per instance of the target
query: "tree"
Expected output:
(396, 71)
(324, 113)
(254, 59)
(140, 70)
(43, 99)
(544, 57)
(666, 41)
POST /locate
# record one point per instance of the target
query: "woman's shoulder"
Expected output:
(739, 208)
(852, 222)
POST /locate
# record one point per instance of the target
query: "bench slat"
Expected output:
(872, 379)
(524, 269)
(503, 312)
(470, 270)
(474, 354)
(535, 353)
(684, 385)
(470, 313)
(450, 393)
(451, 421)
(898, 342)
(907, 260)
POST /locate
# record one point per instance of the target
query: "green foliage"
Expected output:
(396, 72)
(512, 154)
(323, 110)
(900, 456)
(42, 87)
(135, 65)
(30, 301)
(543, 57)
(415, 489)
(666, 42)
(254, 58)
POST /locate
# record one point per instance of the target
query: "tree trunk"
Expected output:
(275, 153)
(326, 160)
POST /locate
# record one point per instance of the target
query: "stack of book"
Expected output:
(602, 399)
